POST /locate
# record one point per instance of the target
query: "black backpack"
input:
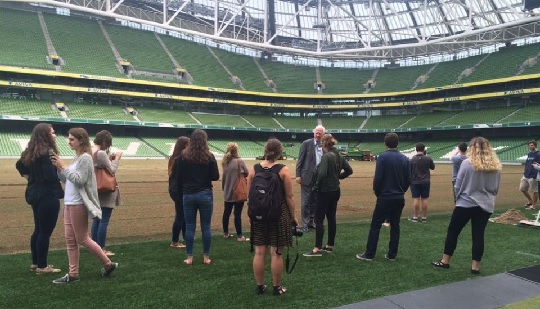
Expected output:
(265, 194)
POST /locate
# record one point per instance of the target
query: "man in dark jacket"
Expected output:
(309, 157)
(391, 181)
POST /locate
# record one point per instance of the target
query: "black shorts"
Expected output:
(420, 190)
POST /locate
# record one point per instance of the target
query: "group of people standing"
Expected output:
(192, 168)
(40, 164)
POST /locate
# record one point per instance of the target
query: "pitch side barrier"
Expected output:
(273, 100)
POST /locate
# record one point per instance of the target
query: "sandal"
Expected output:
(242, 238)
(207, 261)
(440, 264)
(188, 261)
(530, 207)
(260, 289)
(177, 245)
(279, 290)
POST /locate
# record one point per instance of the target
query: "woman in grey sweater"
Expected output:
(232, 166)
(107, 200)
(81, 202)
(476, 187)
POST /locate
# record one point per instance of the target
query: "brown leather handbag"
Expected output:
(240, 189)
(106, 181)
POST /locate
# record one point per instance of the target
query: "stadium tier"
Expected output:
(22, 40)
(141, 49)
(199, 62)
(83, 48)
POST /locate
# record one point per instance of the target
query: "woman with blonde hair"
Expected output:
(81, 201)
(43, 193)
(476, 188)
(179, 224)
(196, 168)
(330, 170)
(107, 200)
(269, 237)
(232, 166)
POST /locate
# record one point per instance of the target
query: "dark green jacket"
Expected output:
(332, 168)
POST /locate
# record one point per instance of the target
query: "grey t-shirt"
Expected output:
(420, 166)
(474, 188)
(456, 161)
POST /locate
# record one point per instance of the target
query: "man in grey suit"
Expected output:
(308, 158)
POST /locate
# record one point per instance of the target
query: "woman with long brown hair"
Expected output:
(43, 193)
(179, 224)
(107, 200)
(477, 184)
(81, 201)
(196, 168)
(232, 166)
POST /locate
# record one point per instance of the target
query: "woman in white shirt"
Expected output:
(81, 202)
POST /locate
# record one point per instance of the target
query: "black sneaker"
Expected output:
(413, 219)
(390, 259)
(363, 257)
(424, 219)
(66, 279)
(312, 253)
(328, 249)
(106, 273)
(260, 289)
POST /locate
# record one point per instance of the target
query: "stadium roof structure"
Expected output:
(333, 29)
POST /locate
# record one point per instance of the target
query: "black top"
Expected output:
(194, 178)
(42, 179)
(392, 175)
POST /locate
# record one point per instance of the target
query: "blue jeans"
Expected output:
(228, 208)
(202, 201)
(179, 224)
(45, 217)
(389, 209)
(99, 227)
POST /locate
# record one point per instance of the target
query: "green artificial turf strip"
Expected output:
(152, 275)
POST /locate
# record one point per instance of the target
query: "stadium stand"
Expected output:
(341, 122)
(222, 120)
(398, 79)
(504, 63)
(27, 107)
(81, 45)
(261, 121)
(290, 78)
(289, 122)
(164, 115)
(480, 116)
(342, 80)
(528, 113)
(447, 73)
(427, 120)
(387, 121)
(141, 49)
(105, 111)
(22, 40)
(198, 61)
(244, 68)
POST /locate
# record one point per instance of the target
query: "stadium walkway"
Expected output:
(480, 293)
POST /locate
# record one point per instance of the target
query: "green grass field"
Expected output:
(151, 274)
